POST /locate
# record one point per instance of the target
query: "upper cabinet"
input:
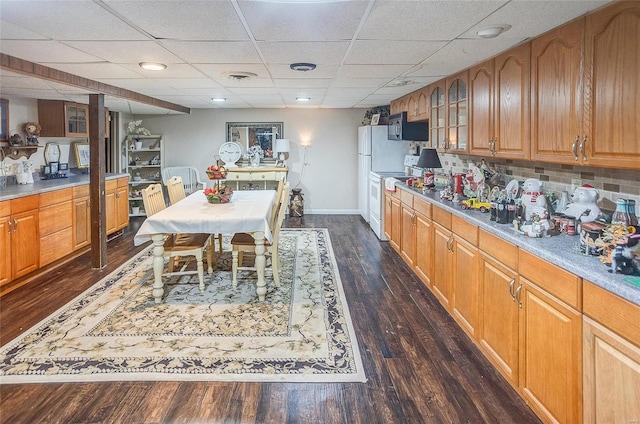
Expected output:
(457, 113)
(63, 119)
(437, 113)
(556, 94)
(417, 106)
(612, 87)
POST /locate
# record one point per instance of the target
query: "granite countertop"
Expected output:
(558, 250)
(15, 191)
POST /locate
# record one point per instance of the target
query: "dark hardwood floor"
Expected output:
(421, 367)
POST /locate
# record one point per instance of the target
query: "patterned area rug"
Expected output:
(114, 331)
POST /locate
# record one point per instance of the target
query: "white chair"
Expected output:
(189, 174)
(244, 243)
(175, 188)
(179, 245)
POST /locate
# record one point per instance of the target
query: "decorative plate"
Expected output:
(230, 152)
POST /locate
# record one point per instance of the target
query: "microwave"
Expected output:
(400, 129)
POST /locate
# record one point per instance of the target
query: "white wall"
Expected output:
(329, 182)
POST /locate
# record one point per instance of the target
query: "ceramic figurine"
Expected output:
(533, 199)
(584, 205)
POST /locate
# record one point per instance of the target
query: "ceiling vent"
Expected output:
(238, 75)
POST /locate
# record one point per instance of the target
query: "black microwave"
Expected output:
(400, 129)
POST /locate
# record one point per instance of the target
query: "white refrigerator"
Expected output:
(376, 153)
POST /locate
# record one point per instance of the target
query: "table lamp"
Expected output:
(428, 160)
(281, 147)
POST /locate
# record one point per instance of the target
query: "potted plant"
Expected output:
(135, 207)
(135, 130)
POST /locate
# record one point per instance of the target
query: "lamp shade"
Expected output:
(429, 159)
(282, 145)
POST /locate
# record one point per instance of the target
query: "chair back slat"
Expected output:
(175, 188)
(189, 174)
(282, 210)
(276, 202)
(153, 199)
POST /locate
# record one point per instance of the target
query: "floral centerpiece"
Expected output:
(254, 153)
(135, 128)
(219, 194)
(216, 172)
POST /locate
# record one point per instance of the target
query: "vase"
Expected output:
(138, 144)
(135, 210)
(255, 160)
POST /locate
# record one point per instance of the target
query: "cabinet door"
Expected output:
(511, 107)
(424, 249)
(443, 259)
(81, 223)
(412, 107)
(466, 286)
(408, 237)
(76, 118)
(25, 242)
(457, 110)
(498, 332)
(612, 55)
(480, 108)
(550, 355)
(611, 376)
(437, 115)
(110, 205)
(5, 248)
(387, 216)
(556, 94)
(396, 224)
(122, 207)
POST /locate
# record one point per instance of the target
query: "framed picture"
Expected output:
(4, 120)
(82, 154)
(375, 119)
(261, 134)
(54, 167)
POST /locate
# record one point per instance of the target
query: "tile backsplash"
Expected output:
(612, 183)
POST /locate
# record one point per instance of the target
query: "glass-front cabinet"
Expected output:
(437, 115)
(457, 130)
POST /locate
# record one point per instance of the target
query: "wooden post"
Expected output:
(96, 181)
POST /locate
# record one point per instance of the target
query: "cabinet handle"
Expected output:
(493, 146)
(511, 292)
(518, 295)
(9, 226)
(15, 225)
(450, 245)
(574, 147)
(582, 144)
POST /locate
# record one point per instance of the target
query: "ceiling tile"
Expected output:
(213, 51)
(388, 52)
(40, 51)
(327, 53)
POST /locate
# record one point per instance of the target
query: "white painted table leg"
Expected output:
(261, 285)
(158, 266)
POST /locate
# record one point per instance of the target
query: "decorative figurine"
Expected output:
(533, 199)
(584, 205)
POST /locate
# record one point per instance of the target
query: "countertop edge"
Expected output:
(16, 191)
(558, 250)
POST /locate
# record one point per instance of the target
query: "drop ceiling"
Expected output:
(362, 49)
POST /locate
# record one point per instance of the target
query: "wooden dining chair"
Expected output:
(176, 191)
(179, 245)
(244, 242)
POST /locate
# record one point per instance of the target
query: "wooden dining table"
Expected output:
(247, 212)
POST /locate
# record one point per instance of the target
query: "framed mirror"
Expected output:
(249, 134)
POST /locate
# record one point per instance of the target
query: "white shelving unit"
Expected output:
(144, 166)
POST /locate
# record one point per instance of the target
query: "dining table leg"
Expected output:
(261, 285)
(158, 266)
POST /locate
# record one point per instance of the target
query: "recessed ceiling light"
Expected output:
(153, 66)
(399, 82)
(303, 67)
(218, 99)
(303, 99)
(493, 32)
(238, 75)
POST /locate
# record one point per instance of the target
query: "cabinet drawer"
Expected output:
(26, 203)
(406, 198)
(263, 176)
(442, 217)
(110, 185)
(560, 283)
(57, 196)
(501, 250)
(612, 311)
(5, 208)
(123, 182)
(55, 246)
(55, 217)
(81, 191)
(464, 229)
(422, 207)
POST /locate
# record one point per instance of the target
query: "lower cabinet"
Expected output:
(407, 229)
(116, 204)
(56, 225)
(396, 223)
(442, 284)
(20, 238)
(81, 217)
(466, 276)
(424, 241)
(611, 355)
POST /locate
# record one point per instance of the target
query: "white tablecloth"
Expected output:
(248, 211)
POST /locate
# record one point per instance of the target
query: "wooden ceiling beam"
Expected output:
(21, 66)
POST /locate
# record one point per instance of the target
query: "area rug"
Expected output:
(115, 332)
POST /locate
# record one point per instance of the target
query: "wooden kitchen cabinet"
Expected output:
(20, 237)
(499, 105)
(387, 215)
(417, 106)
(424, 241)
(55, 225)
(442, 284)
(457, 113)
(116, 204)
(408, 229)
(498, 327)
(63, 119)
(81, 217)
(466, 275)
(612, 87)
(557, 107)
(611, 354)
(437, 115)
